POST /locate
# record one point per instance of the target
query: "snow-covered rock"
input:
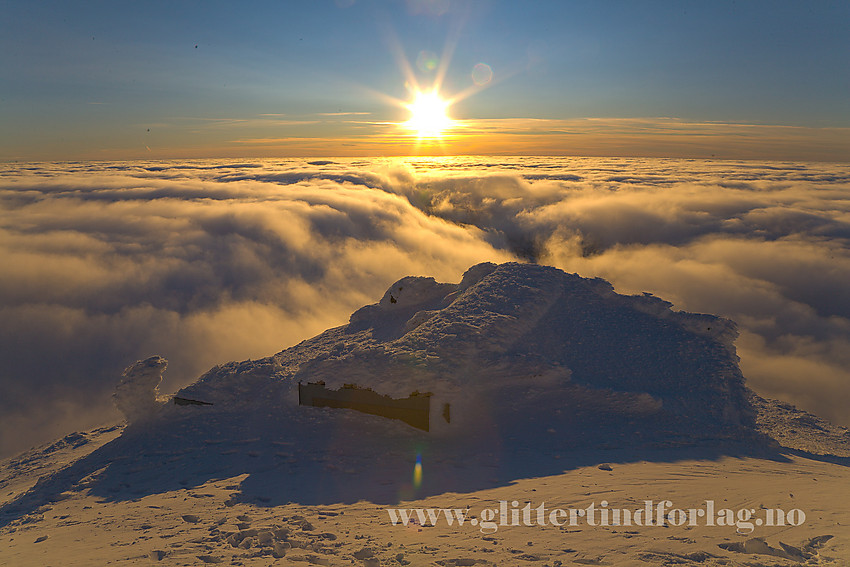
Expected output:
(516, 340)
(137, 394)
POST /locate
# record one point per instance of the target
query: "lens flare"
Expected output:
(427, 61)
(417, 472)
(428, 116)
(482, 74)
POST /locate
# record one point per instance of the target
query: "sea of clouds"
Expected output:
(202, 262)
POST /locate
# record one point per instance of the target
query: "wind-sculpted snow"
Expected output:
(512, 341)
(209, 261)
(136, 395)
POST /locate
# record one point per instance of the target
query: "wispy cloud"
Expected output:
(355, 133)
(626, 137)
(261, 121)
(343, 113)
(651, 137)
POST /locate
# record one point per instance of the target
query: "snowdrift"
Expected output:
(516, 343)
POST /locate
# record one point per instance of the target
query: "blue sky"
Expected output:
(88, 79)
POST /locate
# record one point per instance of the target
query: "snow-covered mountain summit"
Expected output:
(526, 342)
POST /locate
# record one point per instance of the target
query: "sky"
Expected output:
(170, 80)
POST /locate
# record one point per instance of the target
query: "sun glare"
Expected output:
(428, 116)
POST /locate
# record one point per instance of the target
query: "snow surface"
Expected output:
(548, 375)
(524, 341)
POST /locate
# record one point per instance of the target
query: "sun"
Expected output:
(428, 117)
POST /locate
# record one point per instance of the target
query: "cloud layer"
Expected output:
(204, 262)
